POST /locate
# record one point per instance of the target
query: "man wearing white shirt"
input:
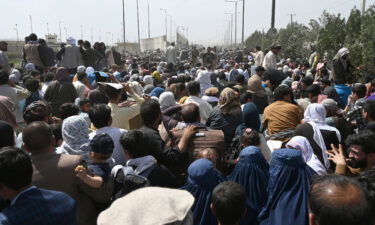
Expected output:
(193, 88)
(100, 116)
(258, 56)
(269, 62)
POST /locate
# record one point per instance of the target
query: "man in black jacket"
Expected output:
(46, 54)
(172, 158)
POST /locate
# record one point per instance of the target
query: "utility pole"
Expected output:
(243, 23)
(47, 29)
(81, 32)
(231, 27)
(123, 21)
(60, 30)
(166, 24)
(235, 18)
(291, 18)
(139, 36)
(100, 35)
(148, 17)
(363, 7)
(66, 33)
(18, 40)
(31, 23)
(273, 14)
(170, 28)
(92, 36)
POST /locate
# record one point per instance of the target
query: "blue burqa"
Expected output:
(251, 172)
(201, 181)
(288, 190)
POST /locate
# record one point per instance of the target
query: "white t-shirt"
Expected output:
(269, 62)
(115, 133)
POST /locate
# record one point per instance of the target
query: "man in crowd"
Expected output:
(92, 56)
(193, 89)
(30, 204)
(282, 116)
(258, 56)
(70, 56)
(171, 54)
(100, 116)
(361, 155)
(121, 115)
(332, 199)
(46, 54)
(4, 61)
(56, 172)
(270, 62)
(208, 58)
(31, 52)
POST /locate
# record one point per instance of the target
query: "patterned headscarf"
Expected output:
(229, 102)
(75, 133)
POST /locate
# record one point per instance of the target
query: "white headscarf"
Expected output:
(166, 100)
(75, 133)
(302, 144)
(204, 79)
(148, 80)
(315, 115)
(342, 52)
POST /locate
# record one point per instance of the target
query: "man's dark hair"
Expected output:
(4, 77)
(240, 79)
(87, 44)
(32, 85)
(336, 199)
(36, 111)
(222, 76)
(365, 139)
(193, 88)
(81, 76)
(306, 64)
(325, 81)
(49, 77)
(367, 180)
(228, 202)
(34, 73)
(100, 115)
(282, 91)
(360, 90)
(16, 169)
(83, 102)
(80, 41)
(369, 108)
(37, 136)
(245, 97)
(190, 113)
(257, 48)
(135, 143)
(112, 93)
(33, 37)
(150, 111)
(68, 110)
(314, 90)
(42, 41)
(307, 81)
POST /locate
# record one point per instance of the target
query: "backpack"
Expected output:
(126, 180)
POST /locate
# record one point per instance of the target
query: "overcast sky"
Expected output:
(206, 19)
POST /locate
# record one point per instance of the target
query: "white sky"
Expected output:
(205, 19)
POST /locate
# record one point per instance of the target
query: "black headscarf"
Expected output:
(7, 134)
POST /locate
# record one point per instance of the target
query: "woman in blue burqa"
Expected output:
(288, 190)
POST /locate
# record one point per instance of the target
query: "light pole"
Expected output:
(60, 30)
(231, 27)
(81, 32)
(123, 20)
(148, 17)
(92, 36)
(66, 33)
(31, 23)
(170, 28)
(139, 36)
(235, 18)
(47, 29)
(18, 40)
(166, 24)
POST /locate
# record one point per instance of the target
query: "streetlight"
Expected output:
(235, 28)
(166, 24)
(123, 20)
(47, 29)
(60, 30)
(231, 27)
(18, 40)
(66, 33)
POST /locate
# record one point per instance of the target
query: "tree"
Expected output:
(353, 37)
(332, 35)
(294, 41)
(368, 40)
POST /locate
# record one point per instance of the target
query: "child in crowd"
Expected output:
(84, 109)
(99, 170)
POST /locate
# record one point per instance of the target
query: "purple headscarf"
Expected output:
(62, 74)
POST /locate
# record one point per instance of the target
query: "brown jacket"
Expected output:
(56, 172)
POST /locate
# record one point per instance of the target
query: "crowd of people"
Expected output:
(186, 136)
